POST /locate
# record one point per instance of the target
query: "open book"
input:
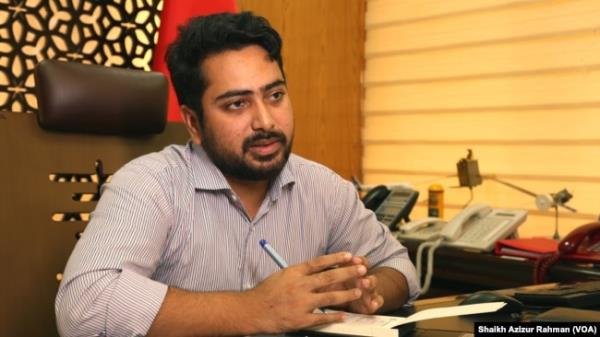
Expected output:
(383, 326)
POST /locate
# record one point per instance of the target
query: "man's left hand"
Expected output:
(371, 300)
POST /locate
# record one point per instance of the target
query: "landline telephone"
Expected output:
(477, 227)
(582, 244)
(391, 205)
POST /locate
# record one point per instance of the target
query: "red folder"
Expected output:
(531, 248)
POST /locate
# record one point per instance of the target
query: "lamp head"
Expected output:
(562, 197)
(543, 202)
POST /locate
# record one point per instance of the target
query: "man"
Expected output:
(173, 246)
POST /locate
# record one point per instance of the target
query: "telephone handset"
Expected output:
(391, 205)
(420, 224)
(421, 229)
(375, 197)
(477, 227)
(454, 228)
(582, 244)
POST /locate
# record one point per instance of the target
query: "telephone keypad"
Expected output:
(483, 229)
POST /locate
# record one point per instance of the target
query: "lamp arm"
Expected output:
(526, 191)
(518, 188)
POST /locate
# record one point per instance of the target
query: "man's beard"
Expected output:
(241, 168)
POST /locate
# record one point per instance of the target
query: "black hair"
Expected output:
(204, 36)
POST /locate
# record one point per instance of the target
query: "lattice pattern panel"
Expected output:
(98, 178)
(121, 33)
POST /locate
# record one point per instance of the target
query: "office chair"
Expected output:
(92, 120)
(75, 97)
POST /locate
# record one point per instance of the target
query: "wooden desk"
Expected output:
(460, 326)
(455, 326)
(458, 271)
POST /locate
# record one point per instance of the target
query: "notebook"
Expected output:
(531, 248)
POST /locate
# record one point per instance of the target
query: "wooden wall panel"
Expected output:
(516, 81)
(496, 92)
(569, 52)
(390, 12)
(529, 20)
(323, 58)
(495, 159)
(489, 127)
(539, 223)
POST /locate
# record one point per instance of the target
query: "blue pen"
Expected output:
(273, 254)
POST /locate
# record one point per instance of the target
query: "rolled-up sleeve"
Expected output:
(356, 229)
(107, 288)
(134, 305)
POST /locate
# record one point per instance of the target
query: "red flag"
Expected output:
(174, 14)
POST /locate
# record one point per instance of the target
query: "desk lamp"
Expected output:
(544, 201)
(469, 176)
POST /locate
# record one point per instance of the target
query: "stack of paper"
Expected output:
(383, 326)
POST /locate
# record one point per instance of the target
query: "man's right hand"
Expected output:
(289, 299)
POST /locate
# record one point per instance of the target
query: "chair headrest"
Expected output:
(83, 98)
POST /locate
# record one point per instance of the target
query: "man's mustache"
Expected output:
(260, 135)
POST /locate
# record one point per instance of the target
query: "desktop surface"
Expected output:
(532, 311)
(463, 326)
(459, 271)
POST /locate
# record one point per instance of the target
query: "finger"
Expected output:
(325, 318)
(376, 303)
(368, 283)
(326, 261)
(356, 260)
(336, 298)
(367, 297)
(360, 260)
(369, 306)
(370, 297)
(337, 275)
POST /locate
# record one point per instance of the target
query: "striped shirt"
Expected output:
(170, 219)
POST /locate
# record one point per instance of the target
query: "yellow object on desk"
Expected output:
(436, 201)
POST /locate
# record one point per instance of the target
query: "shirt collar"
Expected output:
(287, 177)
(206, 176)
